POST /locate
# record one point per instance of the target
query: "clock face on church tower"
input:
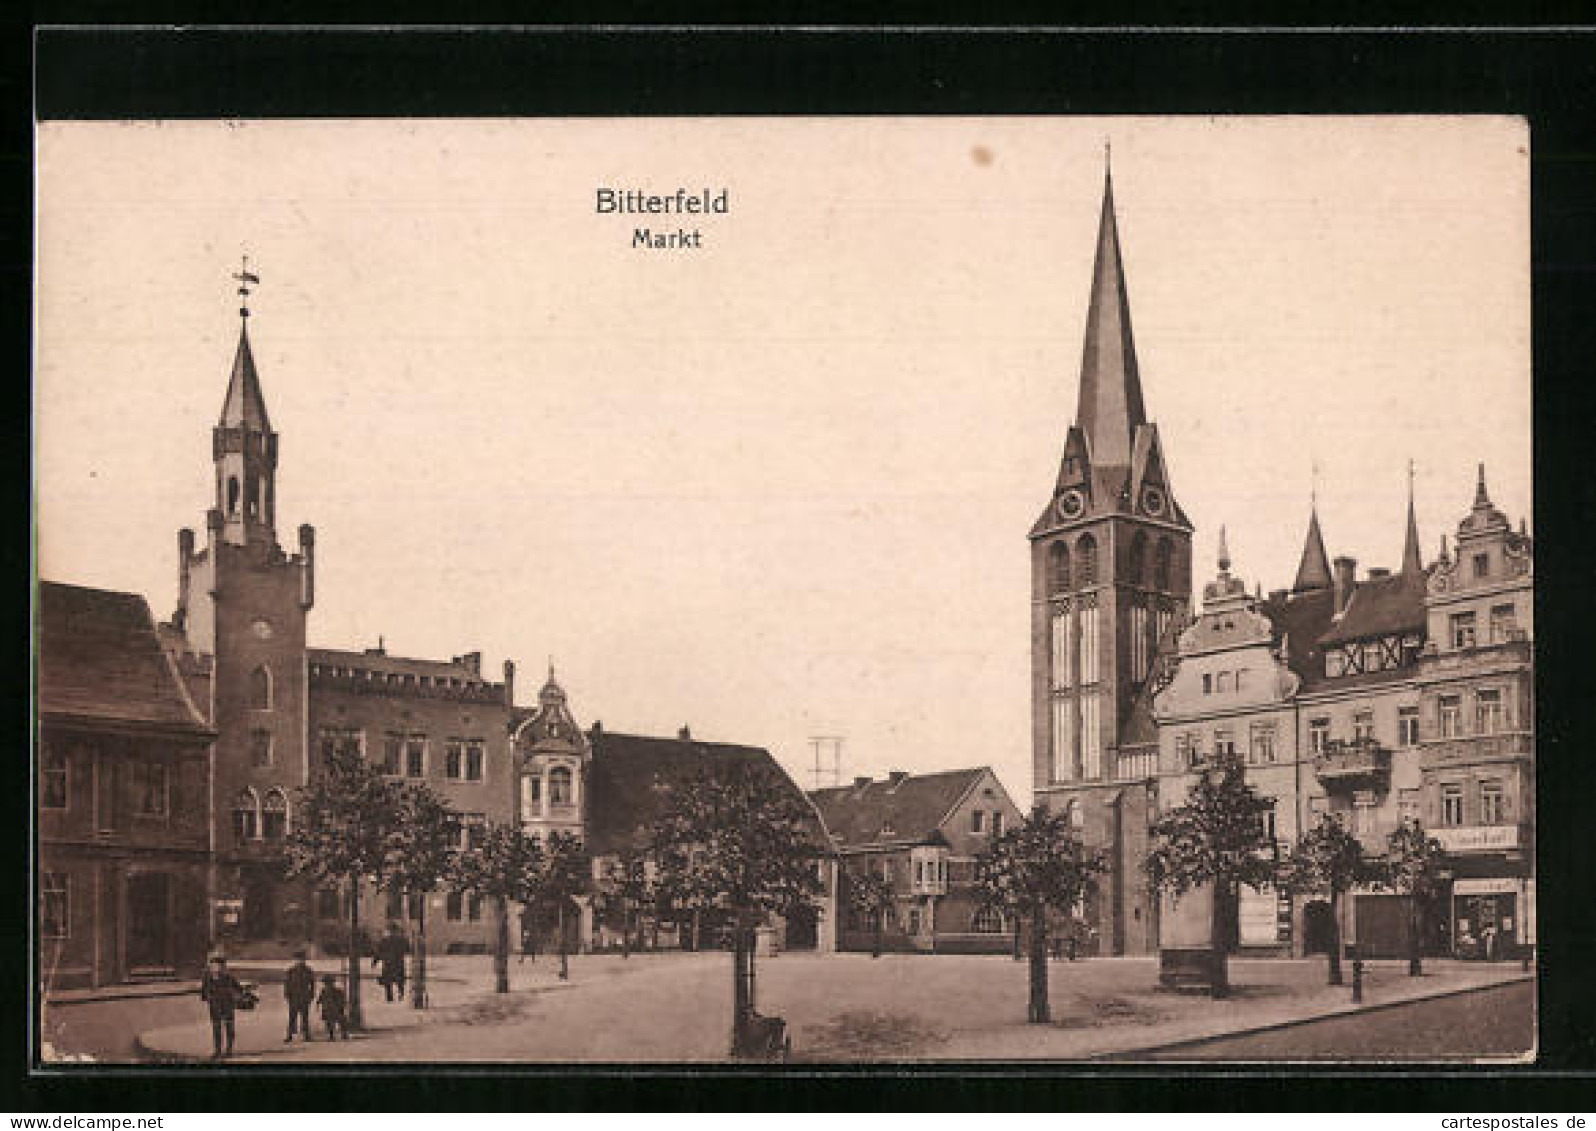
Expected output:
(1071, 504)
(1153, 500)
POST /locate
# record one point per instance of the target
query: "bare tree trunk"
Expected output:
(418, 988)
(1335, 937)
(565, 962)
(626, 933)
(1220, 974)
(1415, 937)
(740, 987)
(1038, 1012)
(501, 947)
(356, 1017)
(881, 915)
(1018, 948)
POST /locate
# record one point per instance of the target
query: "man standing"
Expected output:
(221, 991)
(299, 987)
(390, 953)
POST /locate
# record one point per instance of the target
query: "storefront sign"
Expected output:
(1477, 838)
(1485, 887)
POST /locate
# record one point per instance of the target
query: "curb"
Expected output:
(1276, 1026)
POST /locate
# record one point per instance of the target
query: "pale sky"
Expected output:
(778, 486)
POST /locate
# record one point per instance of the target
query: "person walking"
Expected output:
(390, 955)
(221, 992)
(334, 1008)
(299, 987)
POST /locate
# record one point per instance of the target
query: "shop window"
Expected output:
(1407, 726)
(274, 816)
(52, 777)
(1452, 806)
(55, 905)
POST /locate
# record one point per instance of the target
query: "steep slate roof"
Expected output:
(245, 406)
(1299, 620)
(1110, 407)
(623, 799)
(1380, 606)
(855, 815)
(100, 660)
(1313, 571)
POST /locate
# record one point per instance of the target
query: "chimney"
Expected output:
(1344, 580)
(685, 734)
(861, 782)
(1378, 571)
(509, 683)
(307, 566)
(596, 729)
(472, 662)
(895, 777)
(185, 552)
(380, 650)
(1278, 596)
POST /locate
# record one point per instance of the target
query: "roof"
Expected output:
(1380, 606)
(1298, 621)
(100, 660)
(624, 800)
(1313, 571)
(393, 665)
(245, 406)
(880, 811)
(1110, 406)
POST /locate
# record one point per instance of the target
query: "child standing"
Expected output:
(333, 1003)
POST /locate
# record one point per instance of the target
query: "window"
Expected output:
(1504, 623)
(1317, 807)
(1089, 644)
(1482, 565)
(473, 768)
(473, 827)
(1136, 565)
(1335, 664)
(1261, 751)
(532, 789)
(1224, 744)
(1451, 805)
(560, 786)
(1363, 726)
(1063, 668)
(1318, 735)
(1373, 656)
(1462, 630)
(1363, 811)
(52, 778)
(1488, 717)
(1074, 814)
(474, 907)
(454, 907)
(246, 816)
(1222, 684)
(55, 906)
(1407, 726)
(1208, 684)
(260, 748)
(1267, 819)
(232, 494)
(260, 689)
(1058, 567)
(1408, 805)
(274, 815)
(149, 789)
(453, 759)
(1450, 716)
(351, 740)
(977, 820)
(1240, 673)
(1188, 750)
(1493, 803)
(988, 921)
(395, 905)
(997, 823)
(392, 753)
(1063, 738)
(416, 756)
(1086, 567)
(1163, 563)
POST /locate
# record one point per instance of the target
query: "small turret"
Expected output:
(185, 557)
(307, 565)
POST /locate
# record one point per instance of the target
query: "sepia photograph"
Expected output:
(797, 591)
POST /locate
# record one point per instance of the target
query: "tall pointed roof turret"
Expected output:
(245, 406)
(1313, 571)
(1110, 406)
(1412, 563)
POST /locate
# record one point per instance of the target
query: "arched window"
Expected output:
(254, 496)
(1073, 814)
(274, 816)
(1058, 567)
(1163, 563)
(1086, 563)
(560, 786)
(1137, 564)
(232, 494)
(246, 816)
(260, 688)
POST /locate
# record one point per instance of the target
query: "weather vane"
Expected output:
(245, 280)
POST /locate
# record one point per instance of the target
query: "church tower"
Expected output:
(1110, 588)
(240, 631)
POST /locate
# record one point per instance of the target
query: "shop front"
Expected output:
(1492, 918)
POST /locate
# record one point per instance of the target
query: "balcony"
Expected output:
(1476, 748)
(1516, 652)
(1359, 763)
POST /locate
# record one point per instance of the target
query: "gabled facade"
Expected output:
(922, 833)
(1110, 587)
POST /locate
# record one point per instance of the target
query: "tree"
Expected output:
(749, 841)
(687, 891)
(565, 876)
(347, 816)
(623, 888)
(1327, 859)
(504, 863)
(1412, 867)
(872, 896)
(1217, 838)
(1034, 865)
(421, 857)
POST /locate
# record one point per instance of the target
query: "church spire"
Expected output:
(245, 406)
(243, 445)
(1110, 406)
(1412, 563)
(1313, 572)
